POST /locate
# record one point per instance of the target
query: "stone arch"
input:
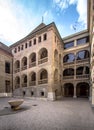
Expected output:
(24, 63)
(82, 70)
(82, 89)
(68, 90)
(43, 76)
(17, 82)
(69, 58)
(24, 80)
(82, 55)
(56, 55)
(32, 57)
(68, 72)
(43, 53)
(32, 78)
(17, 64)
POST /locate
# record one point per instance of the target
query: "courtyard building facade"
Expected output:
(45, 65)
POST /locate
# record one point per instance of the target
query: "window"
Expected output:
(69, 58)
(25, 45)
(30, 43)
(22, 47)
(7, 88)
(39, 39)
(15, 50)
(69, 44)
(82, 40)
(42, 93)
(32, 93)
(45, 37)
(18, 48)
(34, 41)
(7, 67)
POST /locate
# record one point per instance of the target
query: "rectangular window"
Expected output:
(15, 50)
(30, 43)
(7, 67)
(39, 39)
(18, 48)
(45, 37)
(22, 47)
(69, 45)
(34, 41)
(82, 40)
(25, 45)
(7, 86)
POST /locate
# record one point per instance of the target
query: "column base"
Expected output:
(51, 96)
(74, 96)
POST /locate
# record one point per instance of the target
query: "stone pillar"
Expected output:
(74, 96)
(51, 96)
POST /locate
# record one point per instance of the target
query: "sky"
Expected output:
(19, 17)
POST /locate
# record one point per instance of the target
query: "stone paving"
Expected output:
(65, 114)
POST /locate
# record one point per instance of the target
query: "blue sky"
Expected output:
(19, 17)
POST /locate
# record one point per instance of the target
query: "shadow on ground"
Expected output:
(9, 111)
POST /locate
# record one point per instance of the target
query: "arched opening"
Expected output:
(32, 79)
(69, 58)
(17, 66)
(43, 76)
(56, 56)
(24, 63)
(68, 90)
(32, 60)
(17, 82)
(68, 72)
(24, 80)
(82, 70)
(82, 90)
(43, 56)
(82, 55)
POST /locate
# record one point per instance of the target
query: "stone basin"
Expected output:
(15, 103)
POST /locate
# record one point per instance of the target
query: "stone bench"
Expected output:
(15, 104)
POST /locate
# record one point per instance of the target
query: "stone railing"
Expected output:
(68, 77)
(32, 83)
(82, 76)
(24, 67)
(83, 60)
(24, 84)
(43, 60)
(43, 81)
(17, 70)
(32, 64)
(69, 63)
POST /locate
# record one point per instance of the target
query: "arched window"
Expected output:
(17, 64)
(24, 61)
(56, 55)
(33, 76)
(43, 53)
(32, 57)
(68, 72)
(69, 58)
(56, 76)
(82, 70)
(82, 55)
(17, 82)
(43, 74)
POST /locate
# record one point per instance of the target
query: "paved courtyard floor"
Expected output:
(65, 114)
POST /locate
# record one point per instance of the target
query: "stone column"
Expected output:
(74, 96)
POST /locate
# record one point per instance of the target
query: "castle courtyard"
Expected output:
(35, 114)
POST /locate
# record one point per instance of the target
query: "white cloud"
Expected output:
(15, 22)
(81, 8)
